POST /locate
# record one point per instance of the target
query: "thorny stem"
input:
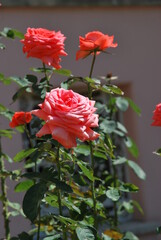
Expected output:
(91, 150)
(115, 222)
(90, 75)
(4, 198)
(47, 78)
(59, 191)
(31, 143)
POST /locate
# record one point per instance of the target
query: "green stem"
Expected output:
(115, 203)
(47, 78)
(90, 75)
(4, 199)
(59, 192)
(39, 218)
(31, 144)
(91, 150)
(93, 185)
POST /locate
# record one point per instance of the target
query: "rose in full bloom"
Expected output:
(157, 116)
(67, 115)
(94, 42)
(45, 45)
(20, 118)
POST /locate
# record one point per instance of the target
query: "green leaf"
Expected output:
(31, 78)
(159, 230)
(25, 236)
(130, 236)
(113, 194)
(132, 147)
(24, 186)
(119, 160)
(133, 106)
(64, 72)
(83, 149)
(128, 206)
(48, 176)
(24, 154)
(121, 127)
(112, 89)
(32, 200)
(7, 157)
(128, 187)
(105, 237)
(87, 172)
(70, 205)
(19, 93)
(158, 152)
(2, 46)
(100, 155)
(92, 80)
(53, 237)
(108, 126)
(6, 133)
(122, 103)
(22, 82)
(85, 233)
(137, 169)
(137, 205)
(11, 33)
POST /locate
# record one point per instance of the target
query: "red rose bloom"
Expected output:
(94, 42)
(20, 118)
(157, 116)
(45, 45)
(67, 115)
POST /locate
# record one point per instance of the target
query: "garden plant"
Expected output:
(72, 175)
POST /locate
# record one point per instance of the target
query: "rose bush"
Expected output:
(94, 42)
(67, 115)
(20, 118)
(157, 116)
(66, 190)
(45, 45)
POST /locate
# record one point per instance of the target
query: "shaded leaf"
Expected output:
(122, 103)
(82, 149)
(32, 200)
(6, 133)
(128, 187)
(133, 106)
(113, 194)
(130, 236)
(87, 172)
(137, 169)
(85, 232)
(132, 147)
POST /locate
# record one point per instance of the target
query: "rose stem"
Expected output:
(47, 78)
(35, 170)
(91, 149)
(59, 192)
(4, 198)
(115, 222)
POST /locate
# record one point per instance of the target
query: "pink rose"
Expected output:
(45, 45)
(94, 42)
(157, 116)
(67, 115)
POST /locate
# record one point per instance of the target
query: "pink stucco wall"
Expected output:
(136, 61)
